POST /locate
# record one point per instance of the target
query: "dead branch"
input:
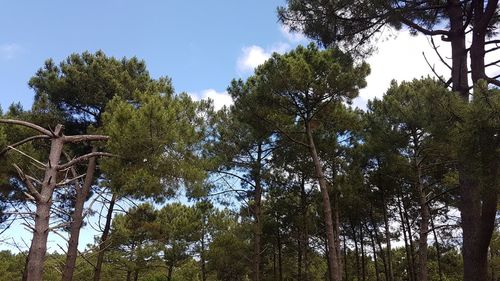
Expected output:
(28, 125)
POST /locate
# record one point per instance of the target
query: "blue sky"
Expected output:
(196, 43)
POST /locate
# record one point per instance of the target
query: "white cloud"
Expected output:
(291, 36)
(401, 59)
(219, 98)
(9, 51)
(254, 55)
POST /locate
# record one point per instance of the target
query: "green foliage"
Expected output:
(81, 86)
(157, 141)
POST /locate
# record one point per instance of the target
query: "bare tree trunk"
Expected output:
(103, 246)
(77, 219)
(333, 258)
(39, 242)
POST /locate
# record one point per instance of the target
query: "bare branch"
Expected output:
(27, 124)
(66, 181)
(83, 158)
(9, 147)
(37, 196)
(26, 155)
(82, 138)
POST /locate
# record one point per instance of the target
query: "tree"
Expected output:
(132, 237)
(405, 118)
(41, 191)
(77, 91)
(244, 148)
(294, 94)
(337, 23)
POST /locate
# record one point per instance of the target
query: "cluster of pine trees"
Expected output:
(288, 183)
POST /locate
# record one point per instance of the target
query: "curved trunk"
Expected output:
(77, 219)
(333, 258)
(104, 239)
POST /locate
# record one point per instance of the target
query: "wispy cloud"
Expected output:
(291, 36)
(9, 51)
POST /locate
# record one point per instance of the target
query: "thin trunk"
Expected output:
(202, 254)
(299, 257)
(410, 241)
(82, 191)
(356, 250)
(407, 247)
(103, 246)
(333, 258)
(41, 231)
(389, 272)
(280, 259)
(424, 228)
(345, 257)
(438, 250)
(136, 275)
(275, 274)
(363, 258)
(170, 271)
(304, 230)
(257, 215)
(129, 275)
(374, 250)
(377, 240)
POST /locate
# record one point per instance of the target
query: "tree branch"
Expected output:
(9, 147)
(27, 124)
(82, 138)
(83, 158)
(29, 184)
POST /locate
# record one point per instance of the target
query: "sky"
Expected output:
(201, 45)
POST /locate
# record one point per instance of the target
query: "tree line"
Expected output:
(405, 190)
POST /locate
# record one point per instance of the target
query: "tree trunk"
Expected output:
(345, 257)
(356, 250)
(257, 215)
(304, 236)
(410, 240)
(82, 191)
(424, 226)
(136, 275)
(129, 275)
(170, 270)
(104, 239)
(333, 259)
(374, 250)
(438, 250)
(407, 246)
(459, 70)
(363, 258)
(280, 258)
(41, 231)
(202, 252)
(389, 272)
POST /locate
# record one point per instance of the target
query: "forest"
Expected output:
(290, 182)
